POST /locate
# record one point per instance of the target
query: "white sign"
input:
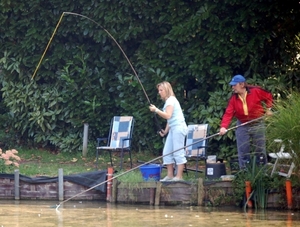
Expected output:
(210, 171)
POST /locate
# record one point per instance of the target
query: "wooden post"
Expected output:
(60, 184)
(17, 184)
(152, 196)
(114, 191)
(157, 193)
(200, 191)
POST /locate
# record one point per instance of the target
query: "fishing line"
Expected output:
(148, 162)
(110, 35)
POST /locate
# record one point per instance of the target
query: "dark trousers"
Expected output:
(247, 135)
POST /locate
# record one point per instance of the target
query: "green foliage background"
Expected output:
(197, 45)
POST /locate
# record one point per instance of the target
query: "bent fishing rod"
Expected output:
(119, 46)
(148, 162)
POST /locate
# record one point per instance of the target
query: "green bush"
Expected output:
(85, 78)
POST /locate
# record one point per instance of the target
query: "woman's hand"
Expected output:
(152, 108)
(162, 133)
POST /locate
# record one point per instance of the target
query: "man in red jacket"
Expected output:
(246, 104)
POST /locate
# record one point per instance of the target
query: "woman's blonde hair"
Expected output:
(167, 87)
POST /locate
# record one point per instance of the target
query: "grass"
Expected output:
(136, 176)
(133, 176)
(46, 163)
(36, 162)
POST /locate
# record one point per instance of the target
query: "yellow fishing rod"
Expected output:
(111, 36)
(77, 14)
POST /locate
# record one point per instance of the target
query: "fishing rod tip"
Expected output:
(54, 206)
(57, 206)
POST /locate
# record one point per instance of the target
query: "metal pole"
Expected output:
(60, 184)
(17, 184)
(85, 139)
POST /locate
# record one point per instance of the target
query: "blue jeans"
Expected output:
(175, 141)
(252, 133)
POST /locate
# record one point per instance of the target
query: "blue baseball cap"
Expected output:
(237, 79)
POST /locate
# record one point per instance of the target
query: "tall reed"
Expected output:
(260, 183)
(285, 125)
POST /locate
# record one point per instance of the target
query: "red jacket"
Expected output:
(255, 98)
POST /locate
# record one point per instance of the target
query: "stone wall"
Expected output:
(48, 191)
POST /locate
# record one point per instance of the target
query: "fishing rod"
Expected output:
(148, 162)
(111, 36)
(134, 168)
(247, 122)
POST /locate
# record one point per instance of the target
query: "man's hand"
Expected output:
(269, 112)
(222, 131)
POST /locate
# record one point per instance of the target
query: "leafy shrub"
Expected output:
(84, 77)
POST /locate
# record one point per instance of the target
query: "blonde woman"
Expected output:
(176, 130)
